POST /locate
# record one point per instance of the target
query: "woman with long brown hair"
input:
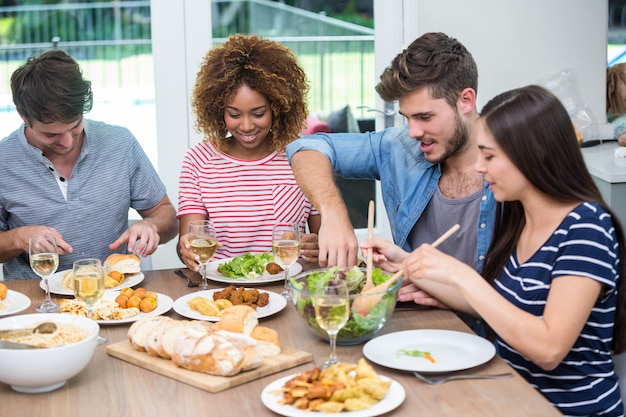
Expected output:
(552, 287)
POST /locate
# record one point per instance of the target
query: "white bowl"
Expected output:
(47, 369)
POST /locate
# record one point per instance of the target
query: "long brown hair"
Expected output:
(534, 130)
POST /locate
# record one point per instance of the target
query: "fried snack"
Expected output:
(3, 291)
(273, 268)
(340, 387)
(204, 306)
(252, 297)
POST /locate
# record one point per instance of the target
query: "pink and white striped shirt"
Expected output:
(243, 199)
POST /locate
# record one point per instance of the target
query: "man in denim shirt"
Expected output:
(426, 167)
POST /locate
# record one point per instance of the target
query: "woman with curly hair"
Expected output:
(250, 102)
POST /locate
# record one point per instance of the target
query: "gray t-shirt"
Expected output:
(432, 224)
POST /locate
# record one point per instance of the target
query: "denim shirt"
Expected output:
(408, 180)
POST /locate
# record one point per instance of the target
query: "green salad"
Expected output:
(249, 265)
(359, 327)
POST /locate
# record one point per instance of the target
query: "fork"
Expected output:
(190, 282)
(441, 380)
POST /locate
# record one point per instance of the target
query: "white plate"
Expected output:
(271, 399)
(56, 284)
(451, 350)
(14, 302)
(275, 304)
(212, 274)
(164, 304)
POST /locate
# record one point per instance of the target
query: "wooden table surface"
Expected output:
(112, 387)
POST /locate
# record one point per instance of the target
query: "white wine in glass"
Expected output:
(332, 311)
(44, 261)
(88, 284)
(203, 243)
(286, 250)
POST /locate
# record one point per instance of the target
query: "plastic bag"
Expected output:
(563, 85)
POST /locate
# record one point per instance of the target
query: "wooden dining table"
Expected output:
(109, 386)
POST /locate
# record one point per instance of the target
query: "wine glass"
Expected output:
(286, 250)
(203, 243)
(332, 311)
(44, 261)
(88, 284)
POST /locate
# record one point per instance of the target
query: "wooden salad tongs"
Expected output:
(368, 298)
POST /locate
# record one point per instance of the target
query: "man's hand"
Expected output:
(141, 238)
(338, 244)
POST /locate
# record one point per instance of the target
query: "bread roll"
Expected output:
(239, 319)
(267, 340)
(124, 263)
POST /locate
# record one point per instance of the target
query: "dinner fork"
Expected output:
(441, 380)
(190, 282)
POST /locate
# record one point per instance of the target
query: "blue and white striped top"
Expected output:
(585, 244)
(111, 175)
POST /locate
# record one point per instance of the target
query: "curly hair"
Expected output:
(265, 66)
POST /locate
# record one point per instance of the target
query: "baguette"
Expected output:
(215, 352)
(166, 344)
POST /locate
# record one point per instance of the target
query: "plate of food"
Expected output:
(363, 405)
(120, 270)
(429, 351)
(61, 282)
(248, 269)
(109, 312)
(201, 305)
(12, 302)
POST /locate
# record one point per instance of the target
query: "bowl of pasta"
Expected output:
(58, 356)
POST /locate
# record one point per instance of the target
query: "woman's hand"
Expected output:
(186, 255)
(385, 254)
(309, 247)
(411, 292)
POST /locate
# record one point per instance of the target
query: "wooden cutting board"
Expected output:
(211, 383)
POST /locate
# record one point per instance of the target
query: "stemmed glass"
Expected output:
(286, 250)
(203, 243)
(332, 311)
(44, 261)
(88, 284)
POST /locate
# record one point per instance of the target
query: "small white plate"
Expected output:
(275, 304)
(271, 397)
(56, 283)
(164, 304)
(451, 350)
(265, 278)
(14, 302)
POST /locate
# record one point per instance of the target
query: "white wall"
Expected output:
(181, 36)
(516, 43)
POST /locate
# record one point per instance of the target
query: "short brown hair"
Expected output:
(50, 87)
(434, 60)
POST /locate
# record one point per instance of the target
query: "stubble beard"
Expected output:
(457, 143)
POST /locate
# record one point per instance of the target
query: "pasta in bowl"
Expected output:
(65, 353)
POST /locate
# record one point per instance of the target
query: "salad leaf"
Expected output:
(358, 325)
(249, 265)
